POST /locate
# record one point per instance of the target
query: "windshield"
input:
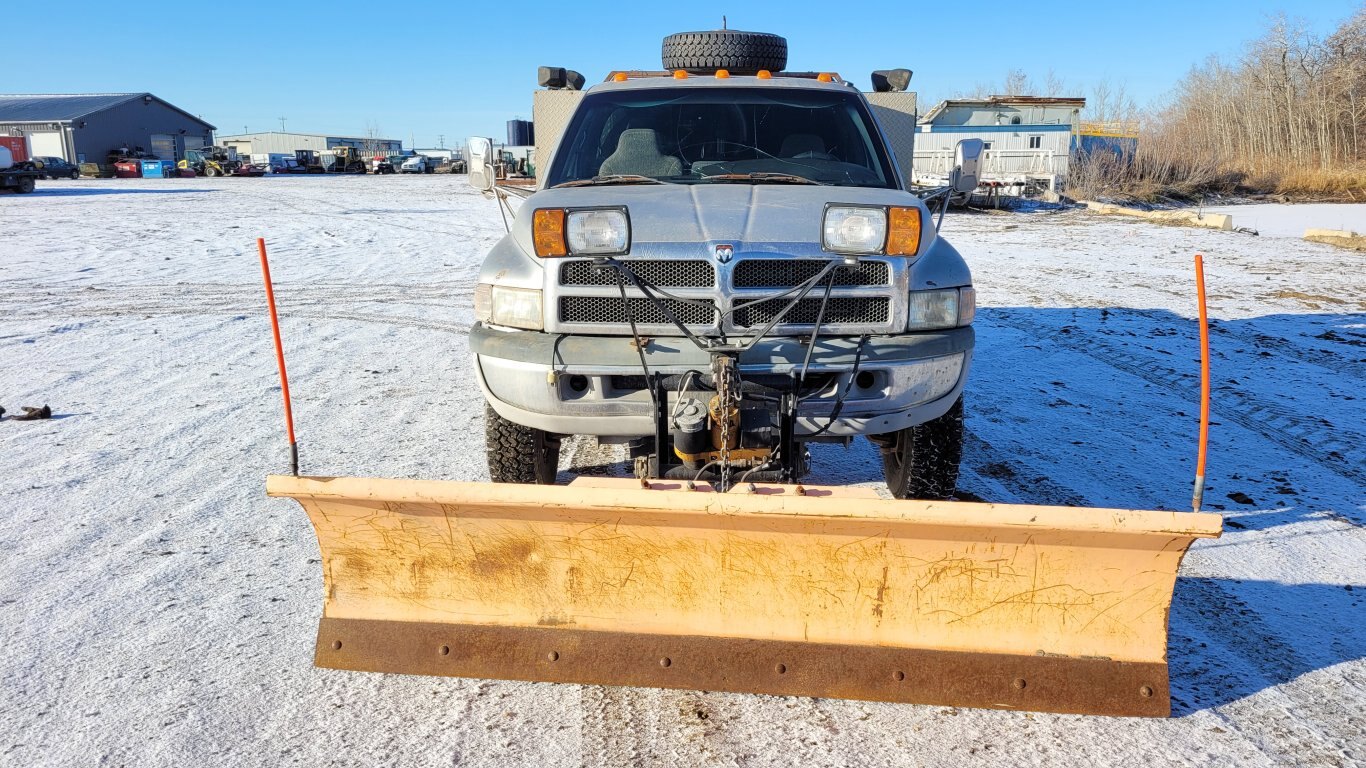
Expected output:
(723, 135)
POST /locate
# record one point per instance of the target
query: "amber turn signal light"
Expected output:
(547, 232)
(903, 231)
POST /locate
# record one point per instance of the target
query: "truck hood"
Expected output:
(668, 219)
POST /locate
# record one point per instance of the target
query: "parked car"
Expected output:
(57, 168)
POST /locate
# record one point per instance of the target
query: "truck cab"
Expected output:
(718, 267)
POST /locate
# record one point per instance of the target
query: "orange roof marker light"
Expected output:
(620, 77)
(764, 74)
(722, 74)
(825, 77)
(680, 74)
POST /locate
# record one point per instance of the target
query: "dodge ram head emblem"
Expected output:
(724, 252)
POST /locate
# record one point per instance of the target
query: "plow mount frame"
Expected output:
(784, 590)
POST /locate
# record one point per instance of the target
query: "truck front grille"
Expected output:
(843, 310)
(786, 273)
(610, 310)
(665, 274)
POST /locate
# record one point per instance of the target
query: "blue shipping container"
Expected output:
(151, 169)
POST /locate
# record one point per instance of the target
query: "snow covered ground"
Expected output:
(1272, 220)
(157, 609)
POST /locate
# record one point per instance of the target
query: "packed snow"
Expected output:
(158, 609)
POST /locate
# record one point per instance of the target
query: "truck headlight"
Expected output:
(601, 232)
(586, 232)
(932, 310)
(513, 307)
(854, 229)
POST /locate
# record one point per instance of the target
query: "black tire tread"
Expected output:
(518, 454)
(933, 452)
(733, 50)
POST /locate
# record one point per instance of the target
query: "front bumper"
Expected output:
(571, 384)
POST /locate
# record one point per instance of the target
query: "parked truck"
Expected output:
(418, 164)
(17, 172)
(722, 264)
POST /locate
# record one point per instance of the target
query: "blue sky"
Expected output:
(415, 69)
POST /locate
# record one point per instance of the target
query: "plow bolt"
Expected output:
(1019, 683)
(666, 661)
(553, 656)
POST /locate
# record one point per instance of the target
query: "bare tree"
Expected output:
(1053, 85)
(1288, 114)
(374, 143)
(1017, 83)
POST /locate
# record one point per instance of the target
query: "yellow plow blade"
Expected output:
(833, 593)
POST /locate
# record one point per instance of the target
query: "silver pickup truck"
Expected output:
(719, 266)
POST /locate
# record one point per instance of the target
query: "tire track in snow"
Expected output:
(183, 300)
(1336, 451)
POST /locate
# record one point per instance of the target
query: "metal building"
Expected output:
(280, 142)
(1028, 138)
(84, 128)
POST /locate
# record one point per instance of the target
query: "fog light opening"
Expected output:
(578, 383)
(865, 380)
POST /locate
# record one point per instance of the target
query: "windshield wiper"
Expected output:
(617, 178)
(764, 178)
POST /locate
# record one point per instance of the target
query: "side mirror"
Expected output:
(967, 165)
(480, 152)
(894, 80)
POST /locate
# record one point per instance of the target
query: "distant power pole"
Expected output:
(441, 140)
(282, 124)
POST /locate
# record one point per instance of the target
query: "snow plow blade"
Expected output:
(828, 592)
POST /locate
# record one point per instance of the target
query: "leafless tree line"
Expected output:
(1288, 115)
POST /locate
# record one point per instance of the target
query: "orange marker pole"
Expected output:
(1204, 384)
(279, 357)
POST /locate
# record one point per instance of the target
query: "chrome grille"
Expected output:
(839, 310)
(665, 274)
(786, 273)
(609, 309)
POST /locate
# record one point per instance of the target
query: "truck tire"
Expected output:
(24, 185)
(75, 174)
(741, 53)
(921, 462)
(519, 454)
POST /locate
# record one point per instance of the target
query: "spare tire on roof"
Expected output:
(741, 53)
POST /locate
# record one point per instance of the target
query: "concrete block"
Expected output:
(1218, 221)
(1341, 238)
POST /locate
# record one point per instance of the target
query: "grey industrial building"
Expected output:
(84, 127)
(280, 142)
